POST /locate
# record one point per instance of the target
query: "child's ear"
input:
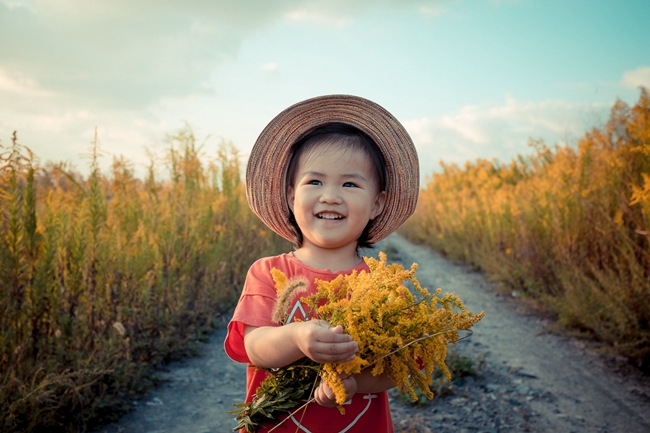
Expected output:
(378, 205)
(291, 196)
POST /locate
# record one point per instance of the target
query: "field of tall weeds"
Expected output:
(568, 226)
(106, 276)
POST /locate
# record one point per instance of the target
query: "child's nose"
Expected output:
(330, 195)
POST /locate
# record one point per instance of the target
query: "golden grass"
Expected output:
(105, 277)
(570, 227)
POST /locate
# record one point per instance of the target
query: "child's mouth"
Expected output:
(329, 216)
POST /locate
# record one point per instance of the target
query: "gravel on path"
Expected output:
(530, 380)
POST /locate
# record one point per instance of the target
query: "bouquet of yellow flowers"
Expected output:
(401, 333)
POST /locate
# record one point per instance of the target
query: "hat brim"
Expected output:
(266, 188)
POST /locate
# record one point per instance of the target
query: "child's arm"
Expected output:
(277, 346)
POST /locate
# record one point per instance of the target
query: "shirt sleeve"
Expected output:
(254, 308)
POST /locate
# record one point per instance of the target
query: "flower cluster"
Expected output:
(401, 333)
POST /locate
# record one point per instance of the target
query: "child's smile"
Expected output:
(334, 196)
(329, 216)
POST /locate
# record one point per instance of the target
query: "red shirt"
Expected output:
(363, 413)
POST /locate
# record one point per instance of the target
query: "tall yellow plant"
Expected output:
(106, 276)
(570, 226)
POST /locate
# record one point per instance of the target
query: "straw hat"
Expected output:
(266, 187)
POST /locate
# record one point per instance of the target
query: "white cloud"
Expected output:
(341, 13)
(20, 85)
(270, 66)
(130, 53)
(637, 78)
(427, 11)
(13, 5)
(319, 18)
(501, 132)
(68, 66)
(126, 53)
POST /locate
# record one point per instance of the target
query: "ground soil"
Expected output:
(530, 380)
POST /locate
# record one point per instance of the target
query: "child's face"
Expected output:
(334, 196)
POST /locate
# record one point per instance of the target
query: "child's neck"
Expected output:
(332, 259)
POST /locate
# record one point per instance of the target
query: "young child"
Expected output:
(331, 174)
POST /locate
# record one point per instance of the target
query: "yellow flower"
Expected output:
(397, 331)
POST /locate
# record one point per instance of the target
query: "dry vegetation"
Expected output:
(569, 227)
(105, 277)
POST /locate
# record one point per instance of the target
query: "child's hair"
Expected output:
(346, 136)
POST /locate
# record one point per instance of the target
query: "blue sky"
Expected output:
(468, 78)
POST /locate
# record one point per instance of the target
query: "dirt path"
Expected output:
(530, 381)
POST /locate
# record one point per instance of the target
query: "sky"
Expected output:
(468, 78)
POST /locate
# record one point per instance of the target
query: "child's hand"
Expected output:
(325, 396)
(324, 343)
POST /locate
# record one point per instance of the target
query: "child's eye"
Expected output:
(349, 185)
(314, 182)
